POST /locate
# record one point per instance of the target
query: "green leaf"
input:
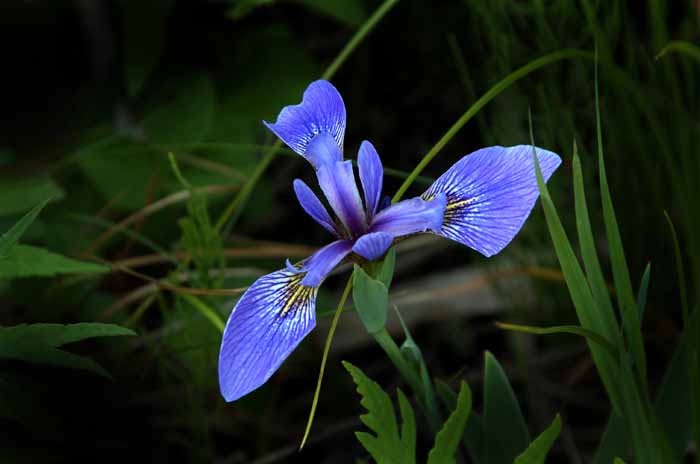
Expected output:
(623, 285)
(351, 12)
(604, 320)
(29, 261)
(371, 298)
(618, 461)
(39, 343)
(537, 452)
(643, 291)
(386, 271)
(387, 447)
(143, 31)
(564, 329)
(579, 289)
(473, 437)
(505, 430)
(10, 238)
(447, 439)
(122, 170)
(20, 196)
(181, 112)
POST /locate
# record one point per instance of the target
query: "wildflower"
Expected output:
(482, 201)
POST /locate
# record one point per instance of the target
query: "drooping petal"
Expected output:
(371, 174)
(373, 245)
(411, 216)
(490, 194)
(266, 325)
(313, 206)
(323, 261)
(321, 111)
(338, 184)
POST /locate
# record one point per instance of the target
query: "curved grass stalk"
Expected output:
(679, 46)
(480, 103)
(326, 349)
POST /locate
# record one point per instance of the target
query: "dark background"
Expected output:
(96, 93)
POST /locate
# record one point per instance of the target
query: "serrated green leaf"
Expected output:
(20, 196)
(537, 452)
(181, 112)
(505, 430)
(371, 298)
(447, 439)
(10, 238)
(39, 343)
(143, 32)
(408, 426)
(387, 447)
(29, 261)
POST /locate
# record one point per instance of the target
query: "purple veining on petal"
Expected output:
(373, 245)
(338, 184)
(411, 216)
(490, 195)
(323, 261)
(313, 206)
(321, 111)
(266, 325)
(371, 173)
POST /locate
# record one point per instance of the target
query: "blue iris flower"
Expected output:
(482, 202)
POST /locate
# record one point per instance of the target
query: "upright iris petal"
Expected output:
(371, 174)
(490, 193)
(321, 111)
(268, 322)
(338, 184)
(313, 206)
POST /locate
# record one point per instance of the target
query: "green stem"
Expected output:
(426, 396)
(326, 349)
(242, 196)
(480, 103)
(205, 311)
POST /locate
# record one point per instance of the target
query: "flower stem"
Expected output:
(420, 384)
(326, 349)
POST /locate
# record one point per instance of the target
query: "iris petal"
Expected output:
(266, 325)
(313, 206)
(373, 245)
(321, 111)
(323, 261)
(490, 194)
(338, 184)
(371, 172)
(411, 216)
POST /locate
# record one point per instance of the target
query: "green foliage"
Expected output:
(448, 438)
(537, 452)
(371, 298)
(19, 196)
(387, 446)
(30, 261)
(351, 12)
(9, 239)
(505, 432)
(40, 343)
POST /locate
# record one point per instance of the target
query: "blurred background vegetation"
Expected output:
(97, 93)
